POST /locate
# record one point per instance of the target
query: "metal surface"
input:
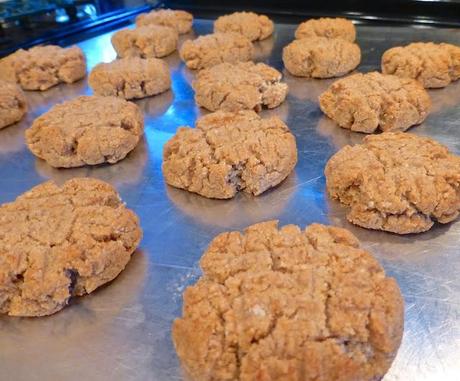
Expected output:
(122, 331)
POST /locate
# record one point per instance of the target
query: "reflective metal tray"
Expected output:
(122, 331)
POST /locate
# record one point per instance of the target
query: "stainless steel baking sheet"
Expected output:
(122, 331)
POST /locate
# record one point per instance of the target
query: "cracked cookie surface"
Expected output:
(230, 152)
(42, 67)
(181, 21)
(249, 24)
(289, 304)
(433, 65)
(13, 104)
(213, 49)
(88, 130)
(321, 57)
(374, 101)
(327, 27)
(239, 86)
(130, 77)
(145, 41)
(59, 242)
(397, 182)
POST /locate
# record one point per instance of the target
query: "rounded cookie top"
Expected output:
(397, 182)
(321, 57)
(213, 49)
(60, 242)
(433, 65)
(284, 303)
(374, 101)
(130, 77)
(249, 24)
(181, 21)
(86, 130)
(145, 41)
(42, 67)
(230, 152)
(239, 86)
(327, 27)
(13, 103)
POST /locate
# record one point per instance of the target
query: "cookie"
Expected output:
(249, 24)
(130, 77)
(397, 182)
(321, 57)
(374, 101)
(433, 65)
(60, 242)
(213, 49)
(181, 21)
(42, 67)
(13, 104)
(145, 42)
(88, 130)
(239, 86)
(327, 27)
(289, 304)
(230, 152)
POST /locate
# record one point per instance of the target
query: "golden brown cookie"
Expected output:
(181, 21)
(13, 104)
(374, 101)
(321, 57)
(230, 152)
(130, 77)
(395, 181)
(42, 67)
(213, 49)
(239, 86)
(433, 65)
(327, 27)
(249, 24)
(87, 130)
(289, 304)
(145, 42)
(59, 242)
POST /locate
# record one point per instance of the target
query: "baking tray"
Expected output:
(122, 331)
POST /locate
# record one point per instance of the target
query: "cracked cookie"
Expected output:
(374, 101)
(249, 24)
(239, 86)
(130, 77)
(181, 21)
(433, 65)
(59, 242)
(289, 304)
(327, 27)
(88, 130)
(213, 49)
(397, 182)
(42, 67)
(321, 57)
(145, 41)
(230, 152)
(13, 104)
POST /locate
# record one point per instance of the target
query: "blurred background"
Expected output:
(24, 23)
